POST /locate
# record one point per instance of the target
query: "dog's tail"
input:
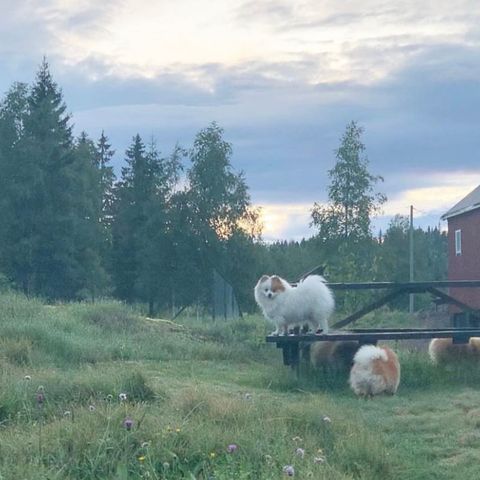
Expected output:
(367, 353)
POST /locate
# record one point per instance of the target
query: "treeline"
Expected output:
(70, 229)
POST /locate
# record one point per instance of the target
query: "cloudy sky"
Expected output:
(283, 78)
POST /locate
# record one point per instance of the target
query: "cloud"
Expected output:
(283, 78)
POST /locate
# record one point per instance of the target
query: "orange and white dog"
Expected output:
(443, 351)
(337, 355)
(375, 370)
(310, 302)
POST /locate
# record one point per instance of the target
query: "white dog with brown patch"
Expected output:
(310, 302)
(375, 370)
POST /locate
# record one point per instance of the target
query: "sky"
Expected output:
(283, 78)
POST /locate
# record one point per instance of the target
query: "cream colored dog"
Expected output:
(443, 351)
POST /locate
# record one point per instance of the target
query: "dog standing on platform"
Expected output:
(310, 302)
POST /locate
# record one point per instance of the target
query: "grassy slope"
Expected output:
(193, 390)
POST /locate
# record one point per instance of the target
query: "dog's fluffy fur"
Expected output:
(375, 370)
(310, 302)
(333, 354)
(443, 351)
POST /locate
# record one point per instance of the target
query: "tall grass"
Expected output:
(192, 389)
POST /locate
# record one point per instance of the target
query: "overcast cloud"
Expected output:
(283, 78)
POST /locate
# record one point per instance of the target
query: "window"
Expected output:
(458, 242)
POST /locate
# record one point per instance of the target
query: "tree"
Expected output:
(15, 181)
(140, 227)
(103, 158)
(91, 232)
(219, 208)
(352, 200)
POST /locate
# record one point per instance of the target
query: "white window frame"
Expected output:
(458, 242)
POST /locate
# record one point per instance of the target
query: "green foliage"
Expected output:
(351, 192)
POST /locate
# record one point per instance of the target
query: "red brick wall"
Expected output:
(467, 265)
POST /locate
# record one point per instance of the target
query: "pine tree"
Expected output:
(139, 228)
(15, 182)
(103, 158)
(90, 239)
(48, 144)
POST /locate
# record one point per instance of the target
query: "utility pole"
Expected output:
(410, 309)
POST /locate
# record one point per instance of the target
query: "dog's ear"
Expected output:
(263, 278)
(277, 285)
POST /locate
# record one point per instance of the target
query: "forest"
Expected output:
(71, 229)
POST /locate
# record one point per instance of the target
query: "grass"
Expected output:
(195, 387)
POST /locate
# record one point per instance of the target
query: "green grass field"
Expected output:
(194, 388)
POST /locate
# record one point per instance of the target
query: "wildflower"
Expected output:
(297, 439)
(327, 419)
(319, 460)
(300, 452)
(213, 455)
(91, 408)
(232, 448)
(177, 430)
(109, 397)
(248, 396)
(123, 397)
(27, 377)
(128, 423)
(288, 470)
(40, 399)
(141, 458)
(169, 429)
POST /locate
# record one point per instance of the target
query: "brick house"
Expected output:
(464, 250)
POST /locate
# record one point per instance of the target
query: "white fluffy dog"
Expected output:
(310, 302)
(375, 370)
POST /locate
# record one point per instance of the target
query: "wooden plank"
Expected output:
(410, 286)
(363, 336)
(453, 301)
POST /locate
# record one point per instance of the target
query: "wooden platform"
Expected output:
(290, 344)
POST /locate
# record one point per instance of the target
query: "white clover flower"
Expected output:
(300, 452)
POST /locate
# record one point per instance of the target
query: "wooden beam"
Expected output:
(368, 308)
(453, 301)
(457, 334)
(411, 286)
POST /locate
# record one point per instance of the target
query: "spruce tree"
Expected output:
(139, 228)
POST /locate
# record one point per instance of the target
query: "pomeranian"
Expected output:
(375, 370)
(310, 302)
(443, 351)
(336, 355)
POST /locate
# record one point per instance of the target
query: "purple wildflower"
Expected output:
(128, 423)
(232, 448)
(289, 471)
(40, 399)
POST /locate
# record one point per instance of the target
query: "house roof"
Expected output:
(468, 203)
